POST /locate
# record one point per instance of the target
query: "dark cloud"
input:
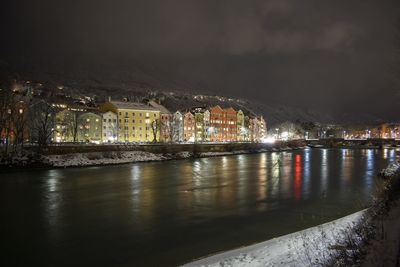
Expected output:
(335, 55)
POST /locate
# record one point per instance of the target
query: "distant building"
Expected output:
(66, 126)
(89, 128)
(253, 129)
(216, 124)
(223, 124)
(241, 129)
(257, 129)
(189, 127)
(230, 125)
(206, 125)
(247, 128)
(199, 126)
(136, 122)
(262, 128)
(177, 127)
(165, 122)
(110, 127)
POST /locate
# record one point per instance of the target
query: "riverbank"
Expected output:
(313, 246)
(382, 246)
(84, 156)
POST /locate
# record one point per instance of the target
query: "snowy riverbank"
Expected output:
(313, 246)
(30, 159)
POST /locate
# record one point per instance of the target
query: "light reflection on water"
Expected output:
(181, 205)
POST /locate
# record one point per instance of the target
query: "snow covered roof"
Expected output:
(132, 105)
(159, 107)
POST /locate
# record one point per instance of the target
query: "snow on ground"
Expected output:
(216, 154)
(391, 170)
(312, 246)
(99, 158)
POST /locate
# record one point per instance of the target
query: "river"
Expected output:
(168, 213)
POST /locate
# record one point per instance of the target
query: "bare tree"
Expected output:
(6, 103)
(155, 127)
(19, 123)
(41, 122)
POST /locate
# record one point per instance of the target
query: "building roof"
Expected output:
(217, 108)
(132, 105)
(230, 110)
(159, 107)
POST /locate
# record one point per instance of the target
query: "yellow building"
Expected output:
(136, 122)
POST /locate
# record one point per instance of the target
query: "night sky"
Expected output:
(330, 55)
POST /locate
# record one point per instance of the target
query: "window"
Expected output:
(105, 120)
(155, 115)
(109, 120)
(140, 114)
(133, 113)
(147, 114)
(133, 121)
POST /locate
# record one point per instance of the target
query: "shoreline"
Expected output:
(301, 248)
(33, 161)
(95, 159)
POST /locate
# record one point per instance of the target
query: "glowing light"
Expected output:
(285, 135)
(268, 140)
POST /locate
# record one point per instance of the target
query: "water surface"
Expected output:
(168, 213)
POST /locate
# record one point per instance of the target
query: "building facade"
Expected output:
(216, 124)
(206, 125)
(66, 126)
(136, 122)
(230, 125)
(110, 127)
(189, 125)
(177, 127)
(165, 122)
(199, 126)
(241, 130)
(89, 128)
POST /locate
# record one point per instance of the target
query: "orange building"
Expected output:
(223, 125)
(216, 122)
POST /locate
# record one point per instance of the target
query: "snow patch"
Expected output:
(313, 246)
(391, 170)
(100, 158)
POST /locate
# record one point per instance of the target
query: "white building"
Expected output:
(110, 127)
(177, 127)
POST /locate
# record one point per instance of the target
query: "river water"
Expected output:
(168, 213)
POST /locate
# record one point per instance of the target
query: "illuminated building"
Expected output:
(136, 122)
